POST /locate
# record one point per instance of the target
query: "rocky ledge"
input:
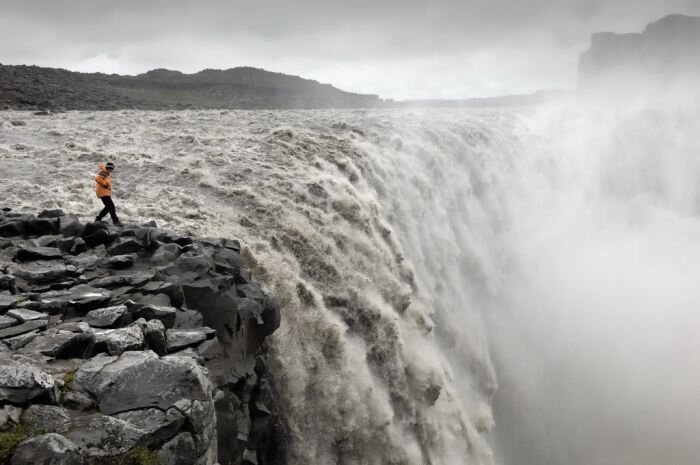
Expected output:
(130, 345)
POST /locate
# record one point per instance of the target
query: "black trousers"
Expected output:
(109, 208)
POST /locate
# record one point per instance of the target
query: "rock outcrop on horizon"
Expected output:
(37, 88)
(666, 52)
(130, 346)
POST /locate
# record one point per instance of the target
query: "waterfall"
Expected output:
(511, 286)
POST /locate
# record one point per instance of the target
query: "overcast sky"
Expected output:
(394, 48)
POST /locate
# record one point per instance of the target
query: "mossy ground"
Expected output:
(11, 438)
(137, 456)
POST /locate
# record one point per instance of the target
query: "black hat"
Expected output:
(109, 165)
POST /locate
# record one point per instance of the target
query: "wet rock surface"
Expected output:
(136, 339)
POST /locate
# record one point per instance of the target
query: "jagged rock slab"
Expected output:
(17, 342)
(188, 319)
(53, 213)
(38, 253)
(118, 341)
(21, 381)
(100, 435)
(70, 226)
(23, 315)
(47, 418)
(157, 312)
(120, 262)
(47, 449)
(7, 282)
(124, 247)
(9, 416)
(172, 290)
(181, 450)
(105, 317)
(41, 271)
(154, 332)
(61, 344)
(22, 328)
(84, 297)
(145, 382)
(8, 301)
(178, 339)
(47, 241)
(76, 400)
(134, 279)
(166, 253)
(158, 426)
(6, 322)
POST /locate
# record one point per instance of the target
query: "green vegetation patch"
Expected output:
(10, 439)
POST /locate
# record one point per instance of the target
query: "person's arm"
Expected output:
(102, 180)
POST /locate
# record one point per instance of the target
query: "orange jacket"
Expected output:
(103, 183)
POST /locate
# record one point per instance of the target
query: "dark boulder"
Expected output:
(158, 426)
(128, 246)
(188, 319)
(41, 226)
(105, 317)
(55, 213)
(61, 344)
(22, 381)
(154, 332)
(78, 246)
(85, 298)
(70, 226)
(26, 254)
(12, 229)
(24, 315)
(227, 261)
(6, 321)
(41, 271)
(143, 380)
(23, 328)
(165, 314)
(100, 236)
(9, 301)
(178, 339)
(118, 341)
(7, 283)
(47, 449)
(199, 264)
(172, 290)
(181, 450)
(47, 241)
(120, 262)
(166, 253)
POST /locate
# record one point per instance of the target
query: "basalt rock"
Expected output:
(47, 449)
(113, 339)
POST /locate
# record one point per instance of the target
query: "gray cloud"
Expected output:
(403, 49)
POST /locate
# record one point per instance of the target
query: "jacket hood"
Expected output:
(102, 168)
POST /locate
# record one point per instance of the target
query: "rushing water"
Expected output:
(437, 269)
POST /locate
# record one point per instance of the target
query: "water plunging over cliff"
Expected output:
(410, 249)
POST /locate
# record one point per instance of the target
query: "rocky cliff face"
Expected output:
(130, 345)
(666, 51)
(33, 87)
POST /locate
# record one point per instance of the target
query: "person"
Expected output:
(103, 188)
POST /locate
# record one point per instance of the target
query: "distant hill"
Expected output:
(666, 52)
(34, 87)
(537, 98)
